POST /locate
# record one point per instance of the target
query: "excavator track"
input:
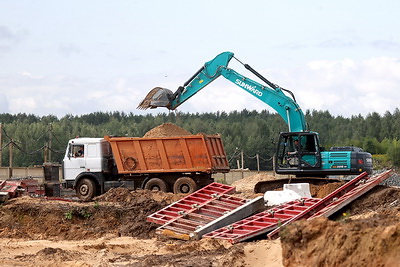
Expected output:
(271, 185)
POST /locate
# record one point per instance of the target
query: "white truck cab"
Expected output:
(82, 155)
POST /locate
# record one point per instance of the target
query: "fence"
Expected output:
(38, 173)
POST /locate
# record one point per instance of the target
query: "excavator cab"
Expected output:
(298, 153)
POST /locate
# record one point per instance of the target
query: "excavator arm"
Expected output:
(271, 95)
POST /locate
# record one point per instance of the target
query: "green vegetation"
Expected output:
(68, 215)
(249, 131)
(78, 213)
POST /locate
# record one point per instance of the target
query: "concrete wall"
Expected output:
(23, 172)
(234, 175)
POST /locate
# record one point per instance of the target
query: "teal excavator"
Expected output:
(299, 151)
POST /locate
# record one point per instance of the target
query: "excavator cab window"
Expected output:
(298, 151)
(310, 156)
(286, 151)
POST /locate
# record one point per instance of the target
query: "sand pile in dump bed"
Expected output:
(165, 130)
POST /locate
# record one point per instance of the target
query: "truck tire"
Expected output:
(185, 185)
(86, 189)
(156, 184)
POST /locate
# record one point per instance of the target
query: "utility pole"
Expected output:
(50, 137)
(1, 144)
(242, 157)
(273, 164)
(10, 149)
(45, 152)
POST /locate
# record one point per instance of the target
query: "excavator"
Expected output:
(299, 151)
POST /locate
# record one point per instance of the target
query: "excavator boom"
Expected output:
(270, 94)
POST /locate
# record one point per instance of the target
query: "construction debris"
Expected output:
(183, 218)
(18, 187)
(207, 209)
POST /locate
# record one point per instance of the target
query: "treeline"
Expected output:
(252, 134)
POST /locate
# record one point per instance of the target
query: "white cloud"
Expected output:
(3, 103)
(345, 87)
(27, 104)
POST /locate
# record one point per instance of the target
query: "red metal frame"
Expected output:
(274, 219)
(201, 209)
(262, 222)
(362, 187)
(16, 188)
(184, 225)
(345, 194)
(200, 198)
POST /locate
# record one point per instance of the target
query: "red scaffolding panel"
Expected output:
(262, 222)
(343, 195)
(190, 202)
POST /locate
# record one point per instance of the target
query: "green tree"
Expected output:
(394, 153)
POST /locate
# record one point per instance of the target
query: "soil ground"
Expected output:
(112, 231)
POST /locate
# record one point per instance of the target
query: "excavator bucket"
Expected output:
(157, 97)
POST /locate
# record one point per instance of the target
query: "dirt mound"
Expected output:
(165, 130)
(41, 219)
(115, 195)
(58, 254)
(366, 233)
(247, 184)
(365, 242)
(321, 191)
(126, 197)
(379, 198)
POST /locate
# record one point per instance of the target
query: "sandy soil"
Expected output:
(365, 233)
(165, 130)
(112, 231)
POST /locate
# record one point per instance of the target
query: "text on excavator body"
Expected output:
(248, 87)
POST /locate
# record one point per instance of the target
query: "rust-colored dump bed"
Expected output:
(190, 153)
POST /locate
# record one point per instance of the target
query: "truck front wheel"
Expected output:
(156, 184)
(86, 189)
(185, 185)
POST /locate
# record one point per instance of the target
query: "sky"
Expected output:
(77, 57)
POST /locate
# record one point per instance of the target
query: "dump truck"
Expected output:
(179, 164)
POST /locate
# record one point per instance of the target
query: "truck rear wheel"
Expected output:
(156, 184)
(86, 189)
(185, 185)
